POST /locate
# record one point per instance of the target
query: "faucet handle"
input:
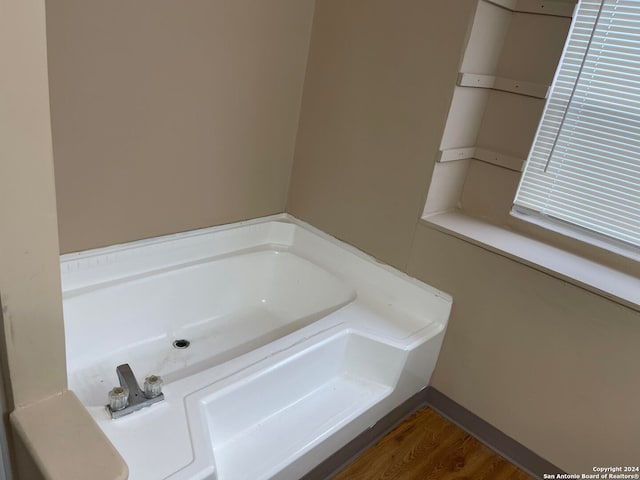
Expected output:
(118, 398)
(152, 386)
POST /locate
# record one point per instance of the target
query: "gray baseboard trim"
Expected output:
(502, 444)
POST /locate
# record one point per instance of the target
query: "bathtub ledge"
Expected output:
(65, 442)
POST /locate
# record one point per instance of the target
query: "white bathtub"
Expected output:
(298, 344)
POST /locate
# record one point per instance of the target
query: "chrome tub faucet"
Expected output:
(128, 397)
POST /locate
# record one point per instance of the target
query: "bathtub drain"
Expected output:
(182, 343)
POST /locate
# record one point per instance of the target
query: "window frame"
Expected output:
(472, 200)
(588, 241)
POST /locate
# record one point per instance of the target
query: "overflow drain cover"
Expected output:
(182, 343)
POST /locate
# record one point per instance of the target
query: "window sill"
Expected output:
(595, 277)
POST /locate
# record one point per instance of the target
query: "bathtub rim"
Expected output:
(74, 261)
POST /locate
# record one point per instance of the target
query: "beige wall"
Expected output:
(29, 264)
(379, 81)
(550, 364)
(33, 354)
(169, 116)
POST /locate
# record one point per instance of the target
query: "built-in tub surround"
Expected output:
(296, 344)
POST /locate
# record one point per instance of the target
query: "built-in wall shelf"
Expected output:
(507, 68)
(484, 155)
(504, 84)
(556, 8)
(453, 154)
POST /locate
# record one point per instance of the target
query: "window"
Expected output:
(584, 167)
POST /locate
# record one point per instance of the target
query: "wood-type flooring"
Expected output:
(428, 447)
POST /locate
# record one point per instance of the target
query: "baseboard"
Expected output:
(502, 444)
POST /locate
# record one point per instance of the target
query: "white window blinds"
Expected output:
(584, 167)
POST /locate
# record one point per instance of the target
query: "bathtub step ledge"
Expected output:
(309, 399)
(278, 440)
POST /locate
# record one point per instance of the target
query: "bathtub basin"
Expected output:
(297, 343)
(223, 307)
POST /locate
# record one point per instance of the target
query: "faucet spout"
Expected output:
(128, 380)
(135, 397)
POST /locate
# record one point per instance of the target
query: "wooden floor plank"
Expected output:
(428, 447)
